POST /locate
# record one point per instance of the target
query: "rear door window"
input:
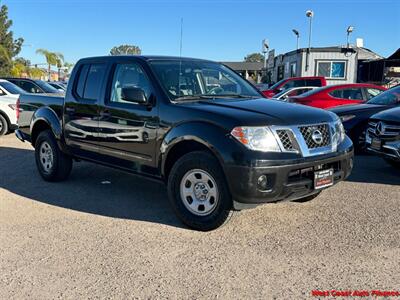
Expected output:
(30, 87)
(89, 82)
(349, 93)
(313, 82)
(371, 92)
(293, 83)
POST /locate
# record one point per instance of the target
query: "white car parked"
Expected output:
(9, 94)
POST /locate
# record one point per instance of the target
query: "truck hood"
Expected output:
(390, 115)
(269, 112)
(346, 109)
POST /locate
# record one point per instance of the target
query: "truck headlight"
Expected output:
(338, 133)
(256, 138)
(346, 118)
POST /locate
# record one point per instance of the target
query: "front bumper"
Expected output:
(287, 180)
(389, 149)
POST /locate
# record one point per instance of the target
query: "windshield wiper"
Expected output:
(194, 97)
(233, 96)
(210, 97)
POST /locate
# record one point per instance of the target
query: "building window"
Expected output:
(331, 69)
(280, 72)
(293, 70)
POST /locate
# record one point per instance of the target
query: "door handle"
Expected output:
(70, 110)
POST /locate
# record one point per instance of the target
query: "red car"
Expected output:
(288, 83)
(336, 95)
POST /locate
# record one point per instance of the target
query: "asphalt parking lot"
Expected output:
(107, 234)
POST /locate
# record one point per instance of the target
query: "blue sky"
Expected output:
(223, 30)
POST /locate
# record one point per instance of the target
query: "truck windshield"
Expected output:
(191, 80)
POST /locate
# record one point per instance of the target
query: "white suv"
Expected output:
(9, 94)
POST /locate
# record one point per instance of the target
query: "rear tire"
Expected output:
(3, 125)
(52, 164)
(198, 191)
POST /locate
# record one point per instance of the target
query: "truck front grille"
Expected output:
(286, 140)
(309, 131)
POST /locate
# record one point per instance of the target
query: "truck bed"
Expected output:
(29, 103)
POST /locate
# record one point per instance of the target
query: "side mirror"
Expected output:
(133, 94)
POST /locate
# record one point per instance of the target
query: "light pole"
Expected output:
(264, 49)
(350, 29)
(297, 38)
(310, 15)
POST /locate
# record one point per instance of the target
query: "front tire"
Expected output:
(52, 164)
(3, 125)
(198, 191)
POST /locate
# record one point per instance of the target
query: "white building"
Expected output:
(337, 64)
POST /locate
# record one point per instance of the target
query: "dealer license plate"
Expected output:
(323, 179)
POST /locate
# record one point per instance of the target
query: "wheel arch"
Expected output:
(4, 115)
(191, 137)
(45, 118)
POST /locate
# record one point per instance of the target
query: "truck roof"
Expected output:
(142, 57)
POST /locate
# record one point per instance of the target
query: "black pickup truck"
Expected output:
(194, 124)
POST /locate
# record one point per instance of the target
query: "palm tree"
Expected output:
(52, 58)
(60, 61)
(67, 67)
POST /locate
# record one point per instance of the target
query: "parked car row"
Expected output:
(292, 82)
(355, 117)
(9, 94)
(353, 103)
(11, 88)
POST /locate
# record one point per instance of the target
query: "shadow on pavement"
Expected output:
(373, 169)
(104, 191)
(90, 188)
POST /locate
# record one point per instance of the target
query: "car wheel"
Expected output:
(308, 198)
(393, 163)
(3, 125)
(198, 191)
(52, 164)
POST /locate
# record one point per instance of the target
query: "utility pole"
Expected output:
(350, 29)
(297, 33)
(264, 49)
(310, 15)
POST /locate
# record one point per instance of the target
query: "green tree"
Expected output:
(254, 57)
(60, 63)
(67, 67)
(20, 67)
(9, 47)
(36, 73)
(52, 59)
(125, 49)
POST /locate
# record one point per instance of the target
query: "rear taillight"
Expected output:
(17, 110)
